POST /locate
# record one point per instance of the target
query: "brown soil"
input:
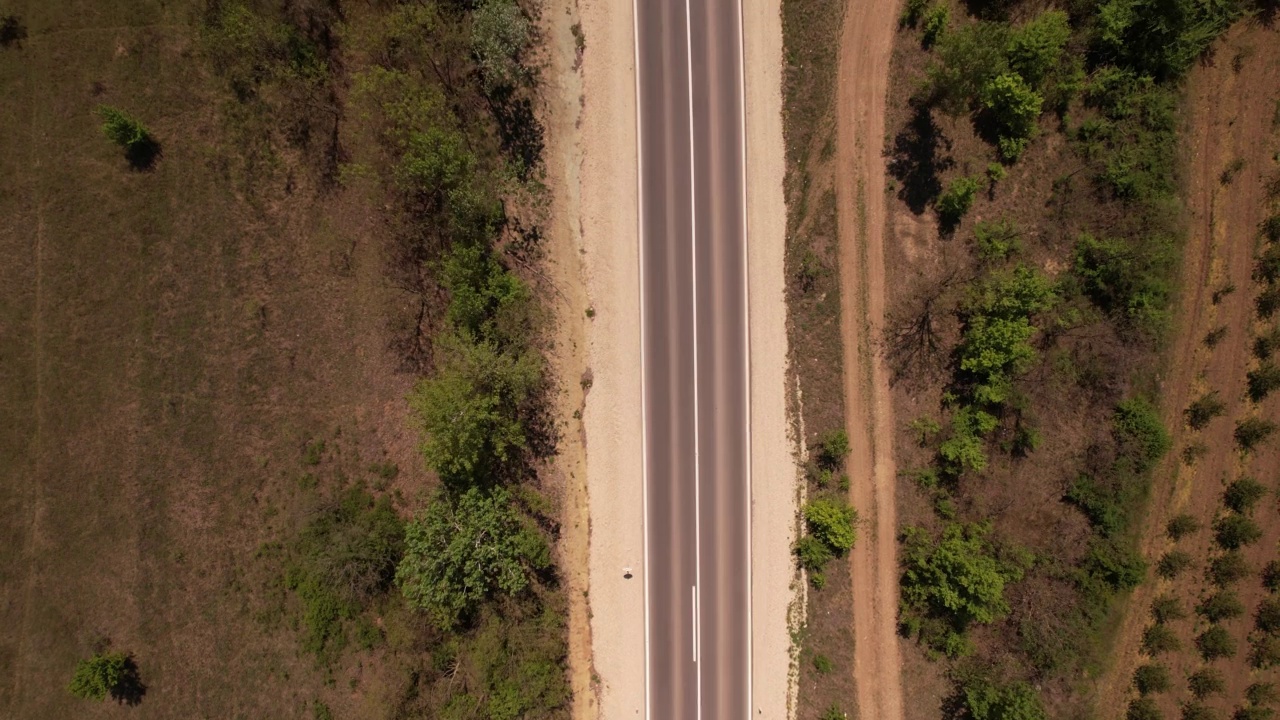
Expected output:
(1232, 105)
(560, 114)
(863, 78)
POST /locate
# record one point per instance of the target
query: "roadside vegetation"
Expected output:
(1036, 169)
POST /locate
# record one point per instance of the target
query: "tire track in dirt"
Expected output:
(862, 89)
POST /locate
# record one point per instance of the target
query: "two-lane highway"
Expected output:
(695, 360)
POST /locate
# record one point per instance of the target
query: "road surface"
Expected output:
(694, 359)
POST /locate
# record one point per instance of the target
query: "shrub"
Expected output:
(1263, 380)
(834, 713)
(1215, 643)
(1206, 408)
(1228, 568)
(1215, 336)
(500, 33)
(466, 548)
(1172, 564)
(1251, 432)
(1152, 678)
(1268, 302)
(1205, 682)
(1242, 494)
(1268, 615)
(1013, 108)
(1140, 433)
(1235, 531)
(1222, 605)
(1271, 576)
(1143, 708)
(958, 577)
(954, 203)
(832, 523)
(822, 664)
(1198, 711)
(985, 700)
(1181, 526)
(1035, 48)
(935, 24)
(1252, 713)
(1263, 694)
(1265, 345)
(812, 553)
(1159, 639)
(1126, 281)
(98, 676)
(833, 448)
(1264, 652)
(140, 148)
(1166, 608)
(996, 239)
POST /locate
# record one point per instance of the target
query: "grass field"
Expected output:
(174, 346)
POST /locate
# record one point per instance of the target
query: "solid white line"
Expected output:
(693, 234)
(644, 422)
(694, 592)
(746, 322)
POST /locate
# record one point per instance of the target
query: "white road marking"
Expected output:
(693, 234)
(644, 429)
(746, 322)
(694, 591)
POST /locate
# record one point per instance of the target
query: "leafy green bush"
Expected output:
(832, 523)
(1271, 576)
(1252, 713)
(1228, 568)
(500, 34)
(1267, 302)
(1222, 605)
(1263, 380)
(1235, 531)
(1266, 344)
(998, 330)
(1205, 682)
(1143, 708)
(1181, 526)
(1262, 694)
(1252, 432)
(1167, 608)
(1128, 281)
(964, 450)
(1152, 678)
(1243, 494)
(1268, 615)
(954, 203)
(1035, 48)
(1161, 40)
(985, 700)
(1140, 433)
(1159, 639)
(98, 676)
(834, 713)
(465, 549)
(812, 553)
(1264, 651)
(996, 240)
(1196, 710)
(1204, 409)
(833, 448)
(1013, 108)
(140, 147)
(1172, 564)
(935, 24)
(1215, 643)
(822, 664)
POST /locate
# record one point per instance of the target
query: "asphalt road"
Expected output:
(695, 359)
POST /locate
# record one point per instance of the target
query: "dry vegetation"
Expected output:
(1037, 222)
(209, 461)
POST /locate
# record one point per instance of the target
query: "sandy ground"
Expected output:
(606, 181)
(774, 474)
(560, 113)
(1230, 116)
(862, 85)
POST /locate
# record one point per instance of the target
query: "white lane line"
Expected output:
(693, 590)
(746, 322)
(644, 423)
(693, 234)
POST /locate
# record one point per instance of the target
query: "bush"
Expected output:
(1222, 605)
(1252, 713)
(1271, 576)
(1268, 615)
(958, 577)
(812, 553)
(1251, 432)
(1206, 408)
(1268, 302)
(1198, 711)
(822, 664)
(1181, 526)
(1143, 708)
(832, 523)
(1166, 608)
(1152, 678)
(1215, 643)
(954, 203)
(935, 24)
(1013, 108)
(1266, 345)
(139, 146)
(1140, 433)
(1228, 568)
(1035, 48)
(833, 448)
(1264, 652)
(1262, 694)
(500, 33)
(1127, 281)
(1172, 564)
(98, 676)
(834, 713)
(1159, 639)
(465, 549)
(1235, 531)
(1205, 682)
(996, 240)
(1243, 494)
(985, 700)
(1263, 380)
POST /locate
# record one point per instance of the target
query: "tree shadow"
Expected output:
(143, 154)
(920, 153)
(518, 129)
(130, 690)
(12, 31)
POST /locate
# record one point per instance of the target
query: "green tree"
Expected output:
(955, 201)
(831, 522)
(122, 129)
(99, 676)
(1205, 408)
(500, 34)
(1035, 48)
(968, 57)
(466, 548)
(1215, 643)
(1140, 433)
(470, 410)
(1243, 494)
(1251, 432)
(1166, 608)
(1014, 108)
(1181, 526)
(958, 576)
(1152, 678)
(1263, 380)
(1235, 531)
(1205, 682)
(1159, 639)
(1228, 568)
(1143, 708)
(1222, 605)
(1016, 701)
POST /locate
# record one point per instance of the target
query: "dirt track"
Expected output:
(865, 48)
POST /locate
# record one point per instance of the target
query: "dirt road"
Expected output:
(862, 87)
